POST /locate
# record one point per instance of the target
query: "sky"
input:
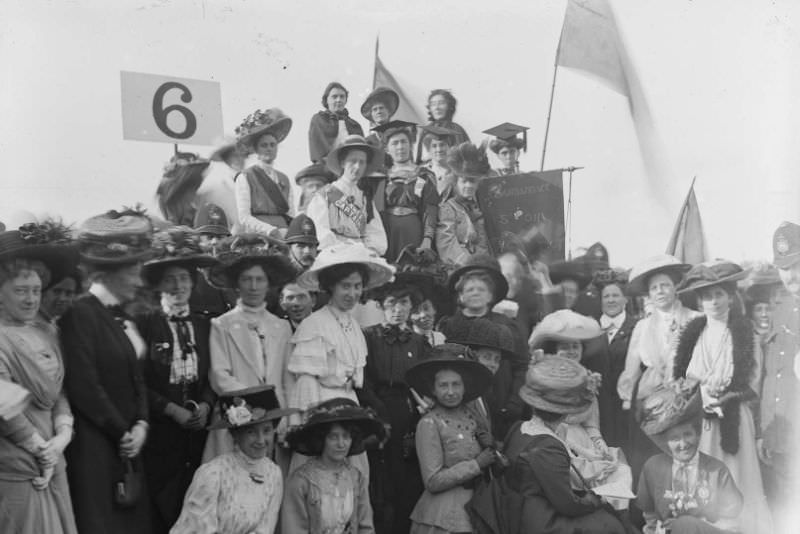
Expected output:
(720, 77)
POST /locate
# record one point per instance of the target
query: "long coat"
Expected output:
(108, 395)
(608, 359)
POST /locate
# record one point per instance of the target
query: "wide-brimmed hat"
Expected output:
(476, 377)
(423, 271)
(48, 242)
(246, 407)
(184, 160)
(380, 272)
(257, 248)
(339, 410)
(564, 325)
(374, 153)
(468, 161)
(270, 121)
(711, 273)
(175, 247)
(487, 264)
(570, 270)
(301, 231)
(116, 238)
(480, 332)
(211, 219)
(389, 97)
(558, 385)
(786, 245)
(761, 283)
(660, 264)
(315, 170)
(669, 405)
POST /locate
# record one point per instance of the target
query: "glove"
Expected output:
(486, 458)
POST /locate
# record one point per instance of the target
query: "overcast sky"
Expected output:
(721, 78)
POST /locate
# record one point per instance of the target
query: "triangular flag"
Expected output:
(406, 111)
(688, 242)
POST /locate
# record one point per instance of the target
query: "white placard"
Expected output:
(168, 109)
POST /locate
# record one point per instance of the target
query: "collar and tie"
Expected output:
(611, 325)
(394, 334)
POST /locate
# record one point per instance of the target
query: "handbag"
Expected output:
(128, 490)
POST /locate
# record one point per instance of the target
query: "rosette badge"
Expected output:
(250, 406)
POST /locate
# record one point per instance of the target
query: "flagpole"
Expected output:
(375, 68)
(549, 112)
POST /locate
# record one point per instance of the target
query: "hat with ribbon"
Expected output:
(270, 121)
(380, 272)
(338, 410)
(711, 273)
(388, 97)
(49, 242)
(178, 246)
(786, 245)
(375, 155)
(116, 237)
(482, 263)
(234, 251)
(453, 357)
(301, 231)
(641, 274)
(564, 325)
(558, 385)
(669, 405)
(247, 407)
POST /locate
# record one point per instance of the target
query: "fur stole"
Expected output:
(743, 341)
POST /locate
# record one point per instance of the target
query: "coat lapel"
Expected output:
(240, 336)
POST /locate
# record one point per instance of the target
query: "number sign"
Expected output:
(170, 110)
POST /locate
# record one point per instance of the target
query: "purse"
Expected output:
(128, 490)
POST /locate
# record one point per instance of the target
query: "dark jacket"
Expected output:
(323, 130)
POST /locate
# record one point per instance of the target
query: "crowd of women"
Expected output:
(359, 362)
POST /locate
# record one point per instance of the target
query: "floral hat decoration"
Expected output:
(233, 251)
(669, 405)
(270, 121)
(338, 410)
(246, 407)
(116, 237)
(178, 246)
(49, 242)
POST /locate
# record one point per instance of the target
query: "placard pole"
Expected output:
(568, 217)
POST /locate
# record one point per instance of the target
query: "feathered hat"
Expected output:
(468, 161)
(270, 121)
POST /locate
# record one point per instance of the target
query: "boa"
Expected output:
(741, 330)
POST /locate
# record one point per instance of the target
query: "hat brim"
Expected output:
(476, 377)
(537, 401)
(274, 415)
(59, 259)
(637, 285)
(709, 283)
(537, 341)
(381, 94)
(374, 157)
(279, 129)
(500, 282)
(301, 439)
(152, 268)
(278, 268)
(378, 275)
(128, 259)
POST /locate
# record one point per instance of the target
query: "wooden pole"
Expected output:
(549, 113)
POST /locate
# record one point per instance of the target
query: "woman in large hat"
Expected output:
(239, 492)
(328, 494)
(332, 125)
(176, 372)
(441, 109)
(720, 351)
(553, 497)
(342, 211)
(564, 333)
(451, 458)
(34, 493)
(572, 277)
(682, 489)
(392, 348)
(248, 345)
(378, 108)
(103, 350)
(263, 194)
(329, 351)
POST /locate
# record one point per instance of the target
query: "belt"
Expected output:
(401, 211)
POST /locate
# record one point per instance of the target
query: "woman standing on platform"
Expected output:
(331, 126)
(441, 109)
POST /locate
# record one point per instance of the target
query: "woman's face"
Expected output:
(489, 358)
(661, 289)
(570, 349)
(508, 157)
(465, 187)
(475, 295)
(399, 147)
(396, 310)
(354, 165)
(124, 282)
(448, 388)
(570, 290)
(761, 315)
(20, 296)
(256, 440)
(613, 301)
(57, 299)
(715, 302)
(267, 148)
(438, 107)
(379, 113)
(424, 316)
(347, 292)
(337, 100)
(176, 285)
(253, 285)
(438, 150)
(337, 444)
(682, 441)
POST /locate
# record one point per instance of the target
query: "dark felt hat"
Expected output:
(669, 405)
(116, 238)
(235, 250)
(48, 242)
(246, 407)
(175, 247)
(570, 270)
(455, 357)
(388, 97)
(339, 410)
(786, 245)
(468, 161)
(315, 170)
(487, 264)
(301, 231)
(480, 332)
(711, 273)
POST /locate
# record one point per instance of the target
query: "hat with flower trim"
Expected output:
(175, 247)
(246, 407)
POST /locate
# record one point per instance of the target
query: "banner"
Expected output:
(523, 209)
(688, 241)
